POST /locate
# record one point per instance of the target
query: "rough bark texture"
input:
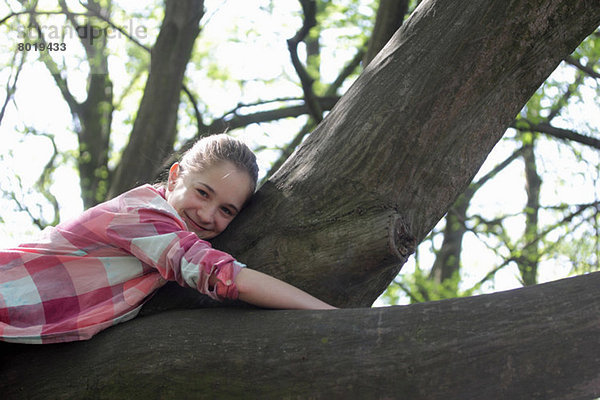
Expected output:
(403, 143)
(154, 130)
(540, 342)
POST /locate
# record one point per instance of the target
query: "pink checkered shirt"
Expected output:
(93, 272)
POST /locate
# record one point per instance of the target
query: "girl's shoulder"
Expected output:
(146, 197)
(144, 193)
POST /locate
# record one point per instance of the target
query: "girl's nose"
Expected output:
(206, 215)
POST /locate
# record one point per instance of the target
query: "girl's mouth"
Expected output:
(193, 223)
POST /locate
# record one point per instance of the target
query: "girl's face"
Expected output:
(208, 200)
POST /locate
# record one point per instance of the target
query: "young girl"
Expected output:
(85, 275)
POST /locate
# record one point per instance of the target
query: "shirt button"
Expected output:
(228, 282)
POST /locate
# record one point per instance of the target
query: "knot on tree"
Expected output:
(401, 240)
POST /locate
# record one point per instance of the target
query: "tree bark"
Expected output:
(342, 215)
(154, 130)
(539, 342)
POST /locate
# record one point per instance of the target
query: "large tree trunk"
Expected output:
(540, 342)
(344, 212)
(154, 130)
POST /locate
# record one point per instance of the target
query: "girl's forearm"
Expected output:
(263, 290)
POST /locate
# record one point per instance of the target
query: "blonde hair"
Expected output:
(213, 149)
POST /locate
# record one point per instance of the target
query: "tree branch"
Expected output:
(310, 8)
(390, 15)
(51, 65)
(538, 342)
(560, 133)
(585, 68)
(325, 103)
(227, 123)
(305, 130)
(567, 218)
(114, 26)
(12, 86)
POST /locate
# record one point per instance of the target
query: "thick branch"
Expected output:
(535, 343)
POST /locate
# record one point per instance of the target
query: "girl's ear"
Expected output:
(173, 176)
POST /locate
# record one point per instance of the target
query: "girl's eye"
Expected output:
(202, 193)
(227, 211)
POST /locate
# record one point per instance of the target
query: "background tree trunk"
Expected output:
(154, 130)
(539, 342)
(92, 117)
(390, 15)
(342, 215)
(530, 257)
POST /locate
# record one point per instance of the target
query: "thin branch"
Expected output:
(55, 71)
(118, 28)
(408, 292)
(305, 130)
(559, 133)
(348, 70)
(580, 209)
(310, 9)
(560, 104)
(35, 13)
(45, 176)
(495, 171)
(239, 121)
(585, 68)
(11, 87)
(199, 122)
(239, 106)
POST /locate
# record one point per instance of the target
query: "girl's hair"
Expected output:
(213, 149)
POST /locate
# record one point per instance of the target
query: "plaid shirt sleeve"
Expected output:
(91, 273)
(150, 229)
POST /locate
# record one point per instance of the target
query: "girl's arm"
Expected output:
(263, 290)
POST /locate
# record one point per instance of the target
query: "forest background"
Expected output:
(532, 214)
